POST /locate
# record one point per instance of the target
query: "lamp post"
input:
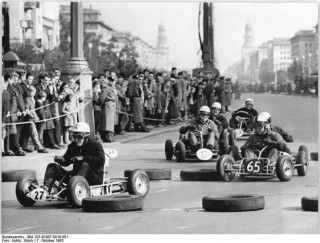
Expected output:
(24, 26)
(90, 47)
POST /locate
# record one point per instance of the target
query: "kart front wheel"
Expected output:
(224, 168)
(78, 189)
(284, 168)
(180, 151)
(302, 160)
(23, 187)
(169, 149)
(138, 183)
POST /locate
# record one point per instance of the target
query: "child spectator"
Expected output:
(69, 120)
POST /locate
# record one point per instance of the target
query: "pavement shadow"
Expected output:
(298, 209)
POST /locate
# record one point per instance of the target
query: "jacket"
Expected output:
(206, 128)
(91, 151)
(220, 120)
(252, 112)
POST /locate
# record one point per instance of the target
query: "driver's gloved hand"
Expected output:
(192, 128)
(76, 159)
(59, 159)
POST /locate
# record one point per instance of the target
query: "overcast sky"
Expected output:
(269, 20)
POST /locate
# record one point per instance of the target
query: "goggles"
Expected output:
(78, 136)
(204, 114)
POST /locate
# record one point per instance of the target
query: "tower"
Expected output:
(162, 49)
(247, 47)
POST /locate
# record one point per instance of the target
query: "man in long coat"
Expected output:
(228, 93)
(108, 97)
(135, 94)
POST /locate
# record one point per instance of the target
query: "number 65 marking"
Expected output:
(253, 166)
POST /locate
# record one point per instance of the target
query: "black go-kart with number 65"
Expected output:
(75, 188)
(228, 166)
(183, 150)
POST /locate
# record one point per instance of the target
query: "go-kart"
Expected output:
(75, 188)
(184, 150)
(230, 165)
(243, 130)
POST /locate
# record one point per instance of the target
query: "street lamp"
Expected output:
(24, 26)
(90, 47)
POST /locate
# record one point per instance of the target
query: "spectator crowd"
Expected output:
(39, 112)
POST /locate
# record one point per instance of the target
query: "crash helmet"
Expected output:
(204, 113)
(248, 101)
(267, 115)
(261, 125)
(216, 108)
(81, 128)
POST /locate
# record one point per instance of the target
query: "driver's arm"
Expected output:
(69, 154)
(279, 142)
(185, 129)
(97, 159)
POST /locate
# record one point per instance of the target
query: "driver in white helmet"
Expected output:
(287, 137)
(202, 124)
(247, 111)
(86, 155)
(261, 138)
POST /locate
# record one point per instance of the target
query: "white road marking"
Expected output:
(162, 190)
(106, 228)
(172, 209)
(183, 227)
(22, 229)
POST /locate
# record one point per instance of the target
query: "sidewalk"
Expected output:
(128, 137)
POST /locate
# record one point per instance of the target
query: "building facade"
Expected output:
(247, 47)
(280, 54)
(30, 24)
(146, 53)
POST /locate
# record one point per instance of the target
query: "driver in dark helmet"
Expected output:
(86, 155)
(209, 130)
(247, 111)
(261, 138)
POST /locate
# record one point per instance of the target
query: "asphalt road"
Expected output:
(175, 206)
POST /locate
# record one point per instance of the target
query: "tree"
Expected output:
(265, 75)
(294, 70)
(282, 77)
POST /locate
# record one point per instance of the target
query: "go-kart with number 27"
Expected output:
(75, 188)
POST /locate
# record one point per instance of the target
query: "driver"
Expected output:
(209, 130)
(287, 137)
(86, 155)
(247, 111)
(261, 138)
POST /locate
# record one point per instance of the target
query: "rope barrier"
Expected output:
(40, 107)
(52, 118)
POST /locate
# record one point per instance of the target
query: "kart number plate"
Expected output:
(204, 154)
(38, 194)
(253, 166)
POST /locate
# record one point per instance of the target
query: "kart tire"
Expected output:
(222, 162)
(310, 203)
(138, 183)
(233, 203)
(224, 143)
(153, 174)
(232, 137)
(21, 193)
(15, 175)
(234, 152)
(284, 161)
(78, 188)
(169, 149)
(314, 156)
(302, 159)
(113, 203)
(180, 152)
(199, 175)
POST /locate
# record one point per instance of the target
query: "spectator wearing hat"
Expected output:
(96, 90)
(107, 100)
(136, 96)
(32, 117)
(122, 104)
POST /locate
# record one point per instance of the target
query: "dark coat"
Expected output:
(220, 120)
(92, 153)
(107, 98)
(134, 93)
(45, 113)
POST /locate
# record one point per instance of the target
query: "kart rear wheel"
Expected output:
(284, 168)
(232, 137)
(234, 152)
(138, 183)
(169, 149)
(180, 152)
(78, 189)
(302, 160)
(23, 187)
(225, 162)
